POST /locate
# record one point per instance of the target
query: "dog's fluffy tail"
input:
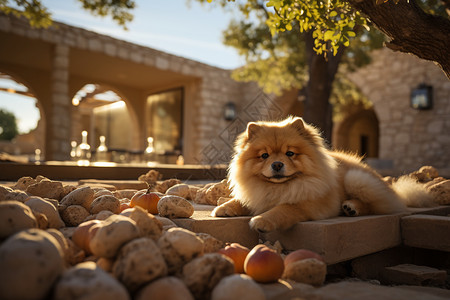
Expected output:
(412, 193)
(382, 197)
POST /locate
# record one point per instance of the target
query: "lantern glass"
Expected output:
(229, 111)
(422, 97)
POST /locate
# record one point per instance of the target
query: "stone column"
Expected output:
(61, 104)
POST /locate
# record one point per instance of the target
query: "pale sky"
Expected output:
(193, 31)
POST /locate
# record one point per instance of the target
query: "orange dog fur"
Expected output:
(282, 173)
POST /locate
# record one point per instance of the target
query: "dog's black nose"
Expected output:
(277, 165)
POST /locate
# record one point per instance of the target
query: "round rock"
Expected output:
(173, 207)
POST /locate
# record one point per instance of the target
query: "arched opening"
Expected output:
(358, 133)
(27, 141)
(102, 113)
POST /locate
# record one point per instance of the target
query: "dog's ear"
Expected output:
(298, 123)
(252, 129)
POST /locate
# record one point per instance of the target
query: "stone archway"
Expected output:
(358, 133)
(103, 110)
(32, 143)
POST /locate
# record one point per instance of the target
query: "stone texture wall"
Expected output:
(205, 94)
(409, 138)
(61, 103)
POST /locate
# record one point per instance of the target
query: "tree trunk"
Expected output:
(318, 110)
(410, 29)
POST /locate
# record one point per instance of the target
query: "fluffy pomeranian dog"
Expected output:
(282, 173)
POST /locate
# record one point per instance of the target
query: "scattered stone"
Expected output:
(14, 217)
(210, 243)
(126, 193)
(310, 271)
(48, 209)
(172, 207)
(112, 234)
(202, 274)
(41, 219)
(105, 202)
(441, 192)
(237, 286)
(415, 275)
(67, 189)
(139, 262)
(7, 193)
(210, 193)
(81, 196)
(87, 280)
(103, 215)
(102, 192)
(162, 187)
(62, 241)
(74, 255)
(179, 246)
(74, 215)
(46, 189)
(150, 177)
(166, 222)
(181, 190)
(425, 174)
(30, 262)
(148, 224)
(167, 288)
(287, 289)
(23, 183)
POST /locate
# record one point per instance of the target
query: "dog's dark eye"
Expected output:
(289, 153)
(264, 155)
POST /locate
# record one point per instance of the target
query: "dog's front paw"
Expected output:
(262, 224)
(223, 211)
(350, 208)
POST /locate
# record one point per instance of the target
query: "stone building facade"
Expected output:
(57, 62)
(408, 137)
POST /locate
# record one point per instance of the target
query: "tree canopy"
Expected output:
(418, 27)
(277, 60)
(285, 59)
(8, 125)
(40, 17)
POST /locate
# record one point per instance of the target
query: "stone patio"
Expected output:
(376, 247)
(337, 239)
(400, 256)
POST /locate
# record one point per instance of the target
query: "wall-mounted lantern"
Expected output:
(229, 112)
(422, 97)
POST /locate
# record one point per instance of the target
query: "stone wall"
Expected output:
(207, 89)
(409, 137)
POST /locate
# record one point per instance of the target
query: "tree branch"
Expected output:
(446, 3)
(410, 29)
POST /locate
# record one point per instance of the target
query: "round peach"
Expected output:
(264, 264)
(237, 253)
(300, 255)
